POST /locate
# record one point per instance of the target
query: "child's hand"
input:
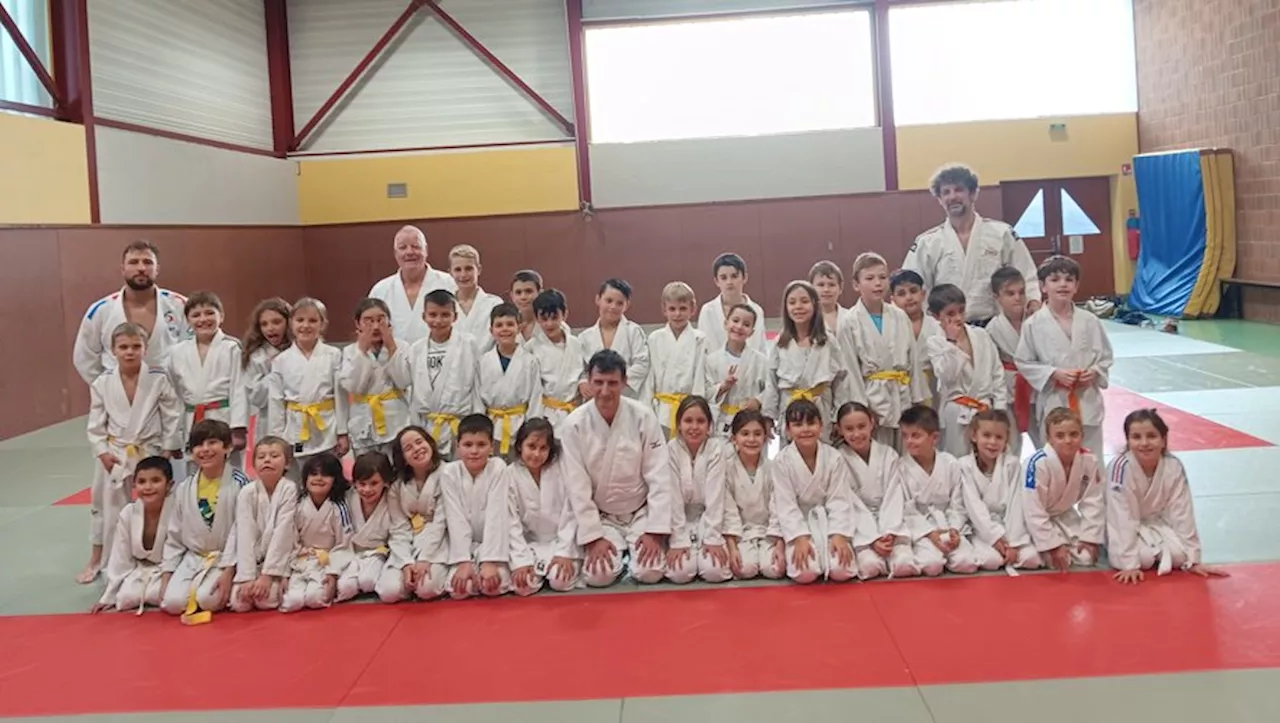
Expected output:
(883, 546)
(343, 445)
(97, 608)
(418, 573)
(174, 454)
(778, 554)
(1086, 377)
(522, 578)
(490, 581)
(463, 578)
(562, 569)
(223, 590)
(650, 550)
(407, 580)
(388, 339)
(1065, 378)
(259, 589)
(364, 337)
(802, 553)
(718, 554)
(600, 555)
(239, 439)
(954, 542)
(753, 404)
(842, 548)
(1207, 571)
(1092, 549)
(1060, 558)
(109, 461)
(938, 541)
(1007, 551)
(1129, 577)
(952, 328)
(584, 390)
(330, 589)
(675, 555)
(735, 556)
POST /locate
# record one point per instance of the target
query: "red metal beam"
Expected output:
(500, 66)
(356, 73)
(27, 108)
(278, 71)
(69, 21)
(29, 53)
(424, 149)
(573, 11)
(173, 135)
(884, 93)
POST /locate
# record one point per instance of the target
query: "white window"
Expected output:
(1036, 58)
(18, 83)
(733, 77)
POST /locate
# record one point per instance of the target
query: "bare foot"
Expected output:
(89, 573)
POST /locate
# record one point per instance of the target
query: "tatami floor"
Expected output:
(988, 649)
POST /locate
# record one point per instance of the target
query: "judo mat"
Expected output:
(700, 641)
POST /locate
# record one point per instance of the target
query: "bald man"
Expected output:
(404, 290)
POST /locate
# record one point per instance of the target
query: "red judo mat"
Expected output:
(551, 647)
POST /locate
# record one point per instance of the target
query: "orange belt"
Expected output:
(1021, 398)
(972, 403)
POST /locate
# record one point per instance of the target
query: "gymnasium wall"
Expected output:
(1207, 78)
(44, 177)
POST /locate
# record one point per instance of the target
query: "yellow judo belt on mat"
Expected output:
(311, 416)
(375, 402)
(438, 420)
(558, 405)
(194, 615)
(890, 375)
(505, 414)
(672, 400)
(811, 394)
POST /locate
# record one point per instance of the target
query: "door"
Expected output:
(1068, 216)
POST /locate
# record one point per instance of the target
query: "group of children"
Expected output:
(902, 434)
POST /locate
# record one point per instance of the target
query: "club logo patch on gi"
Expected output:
(655, 444)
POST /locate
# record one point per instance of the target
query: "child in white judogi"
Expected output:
(1064, 499)
(379, 548)
(268, 335)
(474, 303)
(813, 497)
(906, 287)
(542, 529)
(265, 529)
(751, 531)
(476, 510)
(1065, 354)
(200, 547)
(736, 372)
(933, 495)
(967, 365)
(445, 372)
(730, 274)
(375, 373)
(992, 477)
(875, 482)
(318, 530)
(560, 356)
(879, 350)
(205, 371)
(308, 408)
(677, 357)
(133, 571)
(509, 381)
(615, 331)
(133, 413)
(1005, 329)
(805, 362)
(697, 467)
(526, 284)
(1151, 522)
(829, 282)
(418, 464)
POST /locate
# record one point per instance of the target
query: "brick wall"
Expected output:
(1209, 75)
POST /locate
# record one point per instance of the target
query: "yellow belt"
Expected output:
(558, 405)
(321, 555)
(311, 416)
(505, 414)
(811, 394)
(375, 402)
(890, 375)
(418, 522)
(673, 401)
(438, 420)
(131, 451)
(194, 615)
(730, 409)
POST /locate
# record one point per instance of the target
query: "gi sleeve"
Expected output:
(172, 412)
(173, 547)
(1031, 365)
(917, 259)
(713, 494)
(1093, 504)
(1044, 534)
(495, 547)
(239, 390)
(1122, 518)
(342, 403)
(87, 353)
(655, 470)
(97, 427)
(121, 562)
(957, 515)
(985, 528)
(399, 539)
(285, 535)
(1180, 512)
(1106, 355)
(455, 514)
(275, 401)
(1014, 253)
(521, 554)
(995, 376)
(247, 533)
(638, 365)
(579, 489)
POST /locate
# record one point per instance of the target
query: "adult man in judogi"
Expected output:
(404, 290)
(966, 249)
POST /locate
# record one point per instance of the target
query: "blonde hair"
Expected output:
(465, 251)
(867, 260)
(130, 329)
(678, 291)
(826, 268)
(308, 302)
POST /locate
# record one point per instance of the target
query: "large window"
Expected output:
(731, 77)
(18, 83)
(1034, 58)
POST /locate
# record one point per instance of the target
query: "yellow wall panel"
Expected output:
(1019, 149)
(440, 185)
(44, 175)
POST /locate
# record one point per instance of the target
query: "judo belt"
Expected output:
(971, 403)
(131, 451)
(200, 410)
(811, 394)
(146, 581)
(672, 400)
(1073, 401)
(311, 416)
(731, 410)
(1021, 398)
(194, 615)
(322, 556)
(417, 522)
(558, 405)
(890, 375)
(438, 420)
(504, 414)
(375, 402)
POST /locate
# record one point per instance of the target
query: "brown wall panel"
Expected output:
(33, 388)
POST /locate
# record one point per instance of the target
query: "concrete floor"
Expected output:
(1224, 372)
